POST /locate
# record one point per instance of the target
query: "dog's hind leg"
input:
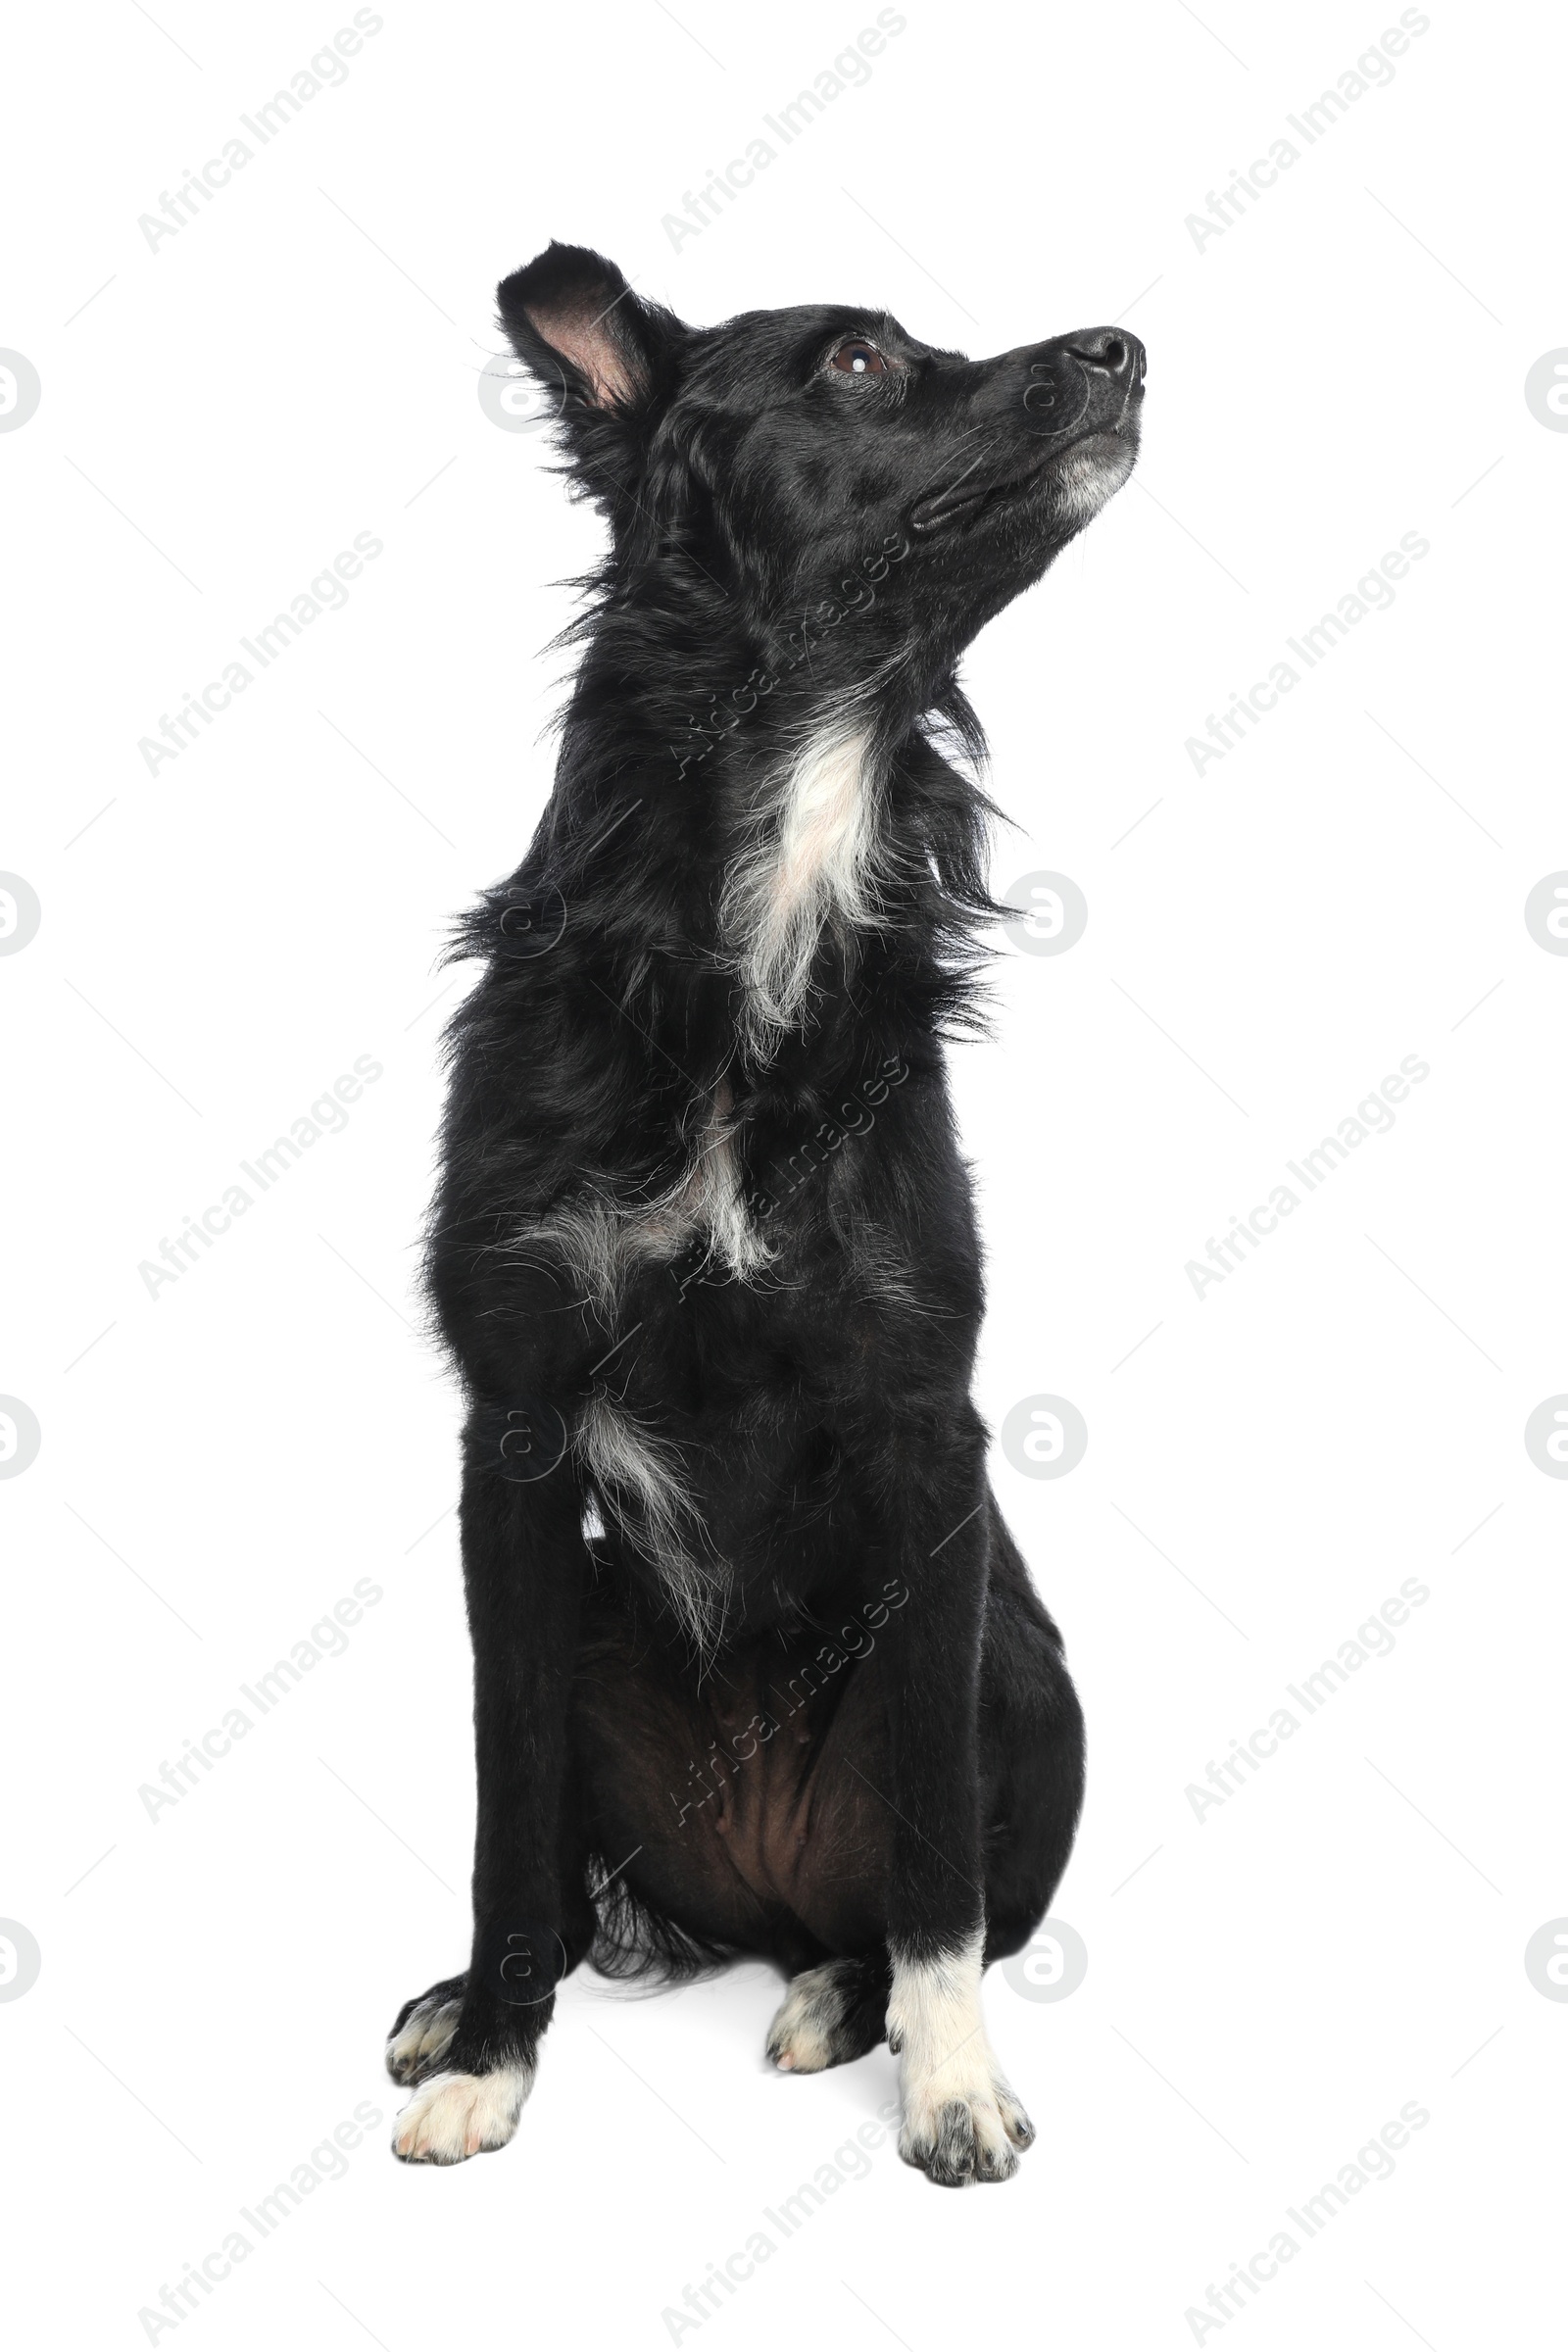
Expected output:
(1031, 1752)
(831, 2014)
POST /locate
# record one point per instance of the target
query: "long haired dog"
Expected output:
(757, 1667)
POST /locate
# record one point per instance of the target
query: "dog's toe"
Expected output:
(800, 2038)
(942, 2145)
(454, 2116)
(423, 2032)
(956, 2141)
(996, 2158)
(829, 2015)
(1019, 2129)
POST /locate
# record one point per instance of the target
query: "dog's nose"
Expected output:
(1110, 350)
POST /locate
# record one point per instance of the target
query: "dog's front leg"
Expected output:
(962, 2121)
(522, 1558)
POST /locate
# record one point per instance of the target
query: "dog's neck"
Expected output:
(776, 824)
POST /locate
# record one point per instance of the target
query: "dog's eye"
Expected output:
(859, 359)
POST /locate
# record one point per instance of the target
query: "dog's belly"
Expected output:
(751, 1796)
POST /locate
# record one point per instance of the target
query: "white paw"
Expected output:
(972, 2135)
(962, 2121)
(453, 2115)
(429, 2027)
(800, 2038)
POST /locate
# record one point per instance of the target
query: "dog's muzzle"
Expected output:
(1074, 385)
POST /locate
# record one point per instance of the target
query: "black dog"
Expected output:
(758, 1668)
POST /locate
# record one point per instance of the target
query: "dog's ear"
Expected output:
(601, 354)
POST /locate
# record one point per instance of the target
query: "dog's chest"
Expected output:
(709, 1210)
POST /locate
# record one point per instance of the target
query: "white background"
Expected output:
(220, 1462)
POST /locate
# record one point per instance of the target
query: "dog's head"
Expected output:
(791, 452)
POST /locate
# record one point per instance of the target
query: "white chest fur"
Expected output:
(809, 860)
